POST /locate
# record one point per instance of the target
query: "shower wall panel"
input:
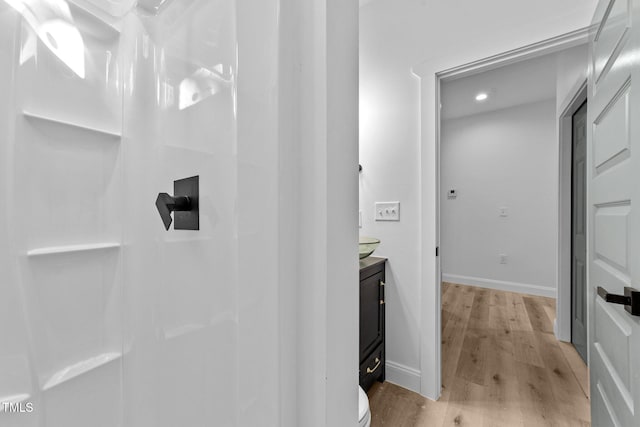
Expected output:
(115, 321)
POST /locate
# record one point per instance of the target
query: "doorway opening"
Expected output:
(502, 221)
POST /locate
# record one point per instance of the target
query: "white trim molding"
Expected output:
(555, 44)
(404, 376)
(501, 285)
(576, 96)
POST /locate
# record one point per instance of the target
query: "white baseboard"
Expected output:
(403, 376)
(501, 285)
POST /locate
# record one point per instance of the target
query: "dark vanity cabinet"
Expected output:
(372, 356)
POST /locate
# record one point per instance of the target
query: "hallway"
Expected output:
(502, 366)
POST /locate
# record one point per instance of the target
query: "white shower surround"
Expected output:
(115, 321)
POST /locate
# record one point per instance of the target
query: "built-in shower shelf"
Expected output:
(13, 399)
(41, 117)
(80, 368)
(71, 249)
(98, 16)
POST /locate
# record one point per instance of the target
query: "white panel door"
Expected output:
(578, 233)
(614, 221)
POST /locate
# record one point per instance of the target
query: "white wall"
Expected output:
(324, 113)
(396, 35)
(504, 158)
(572, 71)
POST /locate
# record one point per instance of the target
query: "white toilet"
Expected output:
(364, 414)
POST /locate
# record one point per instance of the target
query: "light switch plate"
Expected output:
(360, 219)
(387, 211)
(504, 211)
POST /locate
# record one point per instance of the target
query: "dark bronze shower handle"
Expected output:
(184, 203)
(167, 204)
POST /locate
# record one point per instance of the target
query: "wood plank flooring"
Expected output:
(502, 366)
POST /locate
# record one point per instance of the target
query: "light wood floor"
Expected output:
(501, 366)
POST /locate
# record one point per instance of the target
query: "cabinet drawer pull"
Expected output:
(381, 283)
(381, 302)
(371, 371)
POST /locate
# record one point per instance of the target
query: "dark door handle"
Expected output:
(184, 203)
(630, 299)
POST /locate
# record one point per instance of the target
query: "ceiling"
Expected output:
(524, 82)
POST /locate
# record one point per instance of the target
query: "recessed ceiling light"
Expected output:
(482, 96)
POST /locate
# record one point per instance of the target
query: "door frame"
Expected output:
(574, 100)
(430, 75)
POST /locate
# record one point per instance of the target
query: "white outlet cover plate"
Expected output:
(387, 211)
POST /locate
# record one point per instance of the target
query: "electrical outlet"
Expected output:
(503, 258)
(504, 211)
(387, 211)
